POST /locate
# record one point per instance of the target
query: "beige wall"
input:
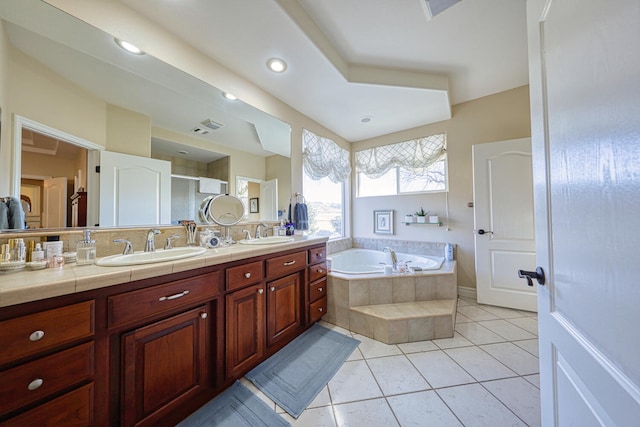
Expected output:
(128, 132)
(5, 131)
(46, 165)
(279, 167)
(493, 118)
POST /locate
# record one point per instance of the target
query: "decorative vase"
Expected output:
(408, 218)
(433, 219)
(421, 219)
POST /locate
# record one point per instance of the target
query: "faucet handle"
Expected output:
(168, 245)
(247, 234)
(128, 249)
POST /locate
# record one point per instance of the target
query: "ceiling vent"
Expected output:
(211, 124)
(200, 130)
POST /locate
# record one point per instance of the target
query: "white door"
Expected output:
(584, 69)
(269, 200)
(54, 201)
(503, 217)
(134, 190)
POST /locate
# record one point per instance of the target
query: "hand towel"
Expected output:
(16, 214)
(4, 215)
(301, 217)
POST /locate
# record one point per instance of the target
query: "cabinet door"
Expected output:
(283, 308)
(245, 329)
(164, 365)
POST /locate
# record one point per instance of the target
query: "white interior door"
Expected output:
(54, 200)
(503, 217)
(584, 70)
(269, 200)
(134, 190)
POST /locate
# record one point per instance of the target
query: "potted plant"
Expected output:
(421, 216)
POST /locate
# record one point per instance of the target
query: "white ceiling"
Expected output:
(387, 59)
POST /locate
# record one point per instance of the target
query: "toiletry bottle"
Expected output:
(32, 247)
(448, 252)
(86, 250)
(37, 254)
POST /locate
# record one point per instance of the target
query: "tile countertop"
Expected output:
(25, 286)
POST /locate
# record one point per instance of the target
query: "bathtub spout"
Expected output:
(394, 258)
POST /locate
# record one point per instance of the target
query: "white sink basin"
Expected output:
(267, 240)
(150, 257)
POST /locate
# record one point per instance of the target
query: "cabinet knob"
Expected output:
(273, 288)
(319, 289)
(35, 384)
(320, 309)
(260, 291)
(247, 275)
(203, 315)
(320, 270)
(36, 336)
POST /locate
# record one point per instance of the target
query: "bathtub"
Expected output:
(366, 261)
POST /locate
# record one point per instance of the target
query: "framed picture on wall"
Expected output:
(254, 207)
(383, 222)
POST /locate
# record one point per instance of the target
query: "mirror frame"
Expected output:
(209, 214)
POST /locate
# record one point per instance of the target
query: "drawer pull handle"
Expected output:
(320, 270)
(174, 296)
(247, 275)
(203, 315)
(273, 289)
(36, 336)
(290, 262)
(319, 289)
(320, 309)
(35, 384)
(260, 291)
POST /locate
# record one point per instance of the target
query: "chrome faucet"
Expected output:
(128, 249)
(150, 246)
(394, 258)
(259, 227)
(169, 244)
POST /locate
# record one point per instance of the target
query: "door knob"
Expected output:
(481, 232)
(529, 275)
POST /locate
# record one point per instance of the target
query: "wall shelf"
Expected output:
(439, 224)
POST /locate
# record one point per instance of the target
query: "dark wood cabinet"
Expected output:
(245, 329)
(283, 308)
(164, 365)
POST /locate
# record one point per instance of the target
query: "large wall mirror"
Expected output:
(76, 93)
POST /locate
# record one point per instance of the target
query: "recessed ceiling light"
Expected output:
(129, 47)
(229, 96)
(366, 119)
(277, 65)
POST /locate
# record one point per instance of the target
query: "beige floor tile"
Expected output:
(476, 407)
(366, 413)
(396, 375)
(518, 360)
(478, 334)
(457, 341)
(422, 409)
(479, 364)
(502, 312)
(475, 313)
(518, 395)
(417, 347)
(371, 348)
(313, 417)
(529, 324)
(354, 381)
(533, 379)
(439, 369)
(507, 330)
(532, 346)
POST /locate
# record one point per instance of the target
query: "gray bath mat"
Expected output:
(295, 375)
(235, 407)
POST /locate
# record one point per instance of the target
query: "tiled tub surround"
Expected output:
(399, 308)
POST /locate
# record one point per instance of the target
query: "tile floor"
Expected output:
(486, 375)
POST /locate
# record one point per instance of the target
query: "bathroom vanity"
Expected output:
(148, 345)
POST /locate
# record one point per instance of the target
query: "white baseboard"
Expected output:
(466, 292)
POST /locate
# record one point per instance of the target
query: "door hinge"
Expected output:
(98, 169)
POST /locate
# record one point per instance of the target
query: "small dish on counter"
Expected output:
(11, 265)
(36, 265)
(69, 257)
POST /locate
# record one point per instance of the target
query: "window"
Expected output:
(414, 166)
(326, 168)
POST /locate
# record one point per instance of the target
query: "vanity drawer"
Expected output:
(279, 266)
(317, 310)
(317, 290)
(43, 377)
(27, 335)
(71, 409)
(317, 271)
(317, 254)
(143, 303)
(244, 275)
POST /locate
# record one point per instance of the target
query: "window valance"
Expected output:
(322, 157)
(414, 154)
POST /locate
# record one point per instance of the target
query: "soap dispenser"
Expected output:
(86, 250)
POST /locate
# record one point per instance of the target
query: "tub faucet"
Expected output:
(259, 227)
(394, 258)
(150, 246)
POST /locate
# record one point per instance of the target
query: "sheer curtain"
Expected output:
(414, 154)
(321, 157)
